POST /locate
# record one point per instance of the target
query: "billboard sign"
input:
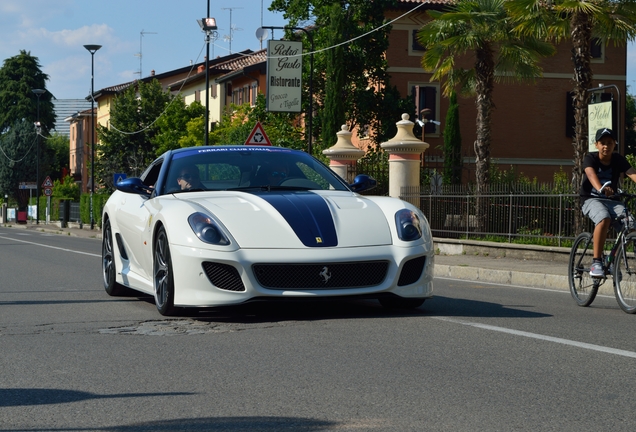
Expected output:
(284, 76)
(599, 115)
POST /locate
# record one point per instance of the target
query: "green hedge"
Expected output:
(98, 201)
(98, 205)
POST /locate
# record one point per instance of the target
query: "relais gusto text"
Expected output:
(284, 76)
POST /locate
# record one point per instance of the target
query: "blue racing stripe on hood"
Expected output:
(307, 214)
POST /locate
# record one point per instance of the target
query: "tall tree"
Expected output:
(480, 30)
(334, 110)
(127, 145)
(366, 90)
(452, 143)
(18, 159)
(19, 75)
(173, 127)
(580, 21)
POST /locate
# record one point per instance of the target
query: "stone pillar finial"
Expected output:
(343, 153)
(404, 157)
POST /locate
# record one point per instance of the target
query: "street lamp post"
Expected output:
(92, 49)
(38, 93)
(208, 25)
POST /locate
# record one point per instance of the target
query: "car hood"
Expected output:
(297, 219)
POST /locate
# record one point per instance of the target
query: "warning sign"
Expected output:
(47, 182)
(258, 136)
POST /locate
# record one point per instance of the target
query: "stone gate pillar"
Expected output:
(404, 157)
(343, 154)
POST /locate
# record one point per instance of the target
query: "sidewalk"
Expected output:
(53, 228)
(503, 263)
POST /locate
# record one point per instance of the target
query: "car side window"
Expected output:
(149, 178)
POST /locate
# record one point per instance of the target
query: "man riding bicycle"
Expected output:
(599, 168)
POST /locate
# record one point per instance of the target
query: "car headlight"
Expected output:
(207, 229)
(408, 224)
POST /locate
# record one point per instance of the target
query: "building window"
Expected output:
(213, 91)
(365, 131)
(237, 96)
(426, 97)
(597, 50)
(415, 45)
(254, 96)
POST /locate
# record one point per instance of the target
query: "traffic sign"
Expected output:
(258, 136)
(27, 185)
(47, 182)
(48, 192)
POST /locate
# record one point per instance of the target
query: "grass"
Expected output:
(538, 241)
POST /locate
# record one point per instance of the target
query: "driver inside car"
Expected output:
(188, 178)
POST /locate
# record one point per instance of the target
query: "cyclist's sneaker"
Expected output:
(597, 270)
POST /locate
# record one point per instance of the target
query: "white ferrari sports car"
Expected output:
(224, 225)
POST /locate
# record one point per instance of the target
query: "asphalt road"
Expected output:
(478, 357)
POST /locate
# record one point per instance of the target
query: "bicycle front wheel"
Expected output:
(625, 274)
(583, 287)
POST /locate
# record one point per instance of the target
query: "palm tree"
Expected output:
(580, 21)
(483, 29)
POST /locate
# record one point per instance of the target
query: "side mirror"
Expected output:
(363, 182)
(133, 185)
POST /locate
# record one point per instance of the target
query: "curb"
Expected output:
(510, 277)
(53, 229)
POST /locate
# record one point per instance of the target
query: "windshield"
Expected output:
(236, 168)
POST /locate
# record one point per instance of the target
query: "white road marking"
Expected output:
(583, 345)
(51, 247)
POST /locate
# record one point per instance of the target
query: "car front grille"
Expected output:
(412, 271)
(223, 276)
(321, 276)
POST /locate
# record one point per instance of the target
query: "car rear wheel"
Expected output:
(163, 277)
(401, 302)
(109, 271)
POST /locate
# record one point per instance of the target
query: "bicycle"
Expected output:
(620, 263)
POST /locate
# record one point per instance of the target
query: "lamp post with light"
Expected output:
(92, 49)
(38, 93)
(208, 25)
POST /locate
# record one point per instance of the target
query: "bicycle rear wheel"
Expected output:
(625, 274)
(583, 287)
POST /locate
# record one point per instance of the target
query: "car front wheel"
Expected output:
(109, 271)
(163, 277)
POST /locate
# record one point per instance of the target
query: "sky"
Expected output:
(165, 32)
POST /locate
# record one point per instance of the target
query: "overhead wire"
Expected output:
(268, 57)
(25, 155)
